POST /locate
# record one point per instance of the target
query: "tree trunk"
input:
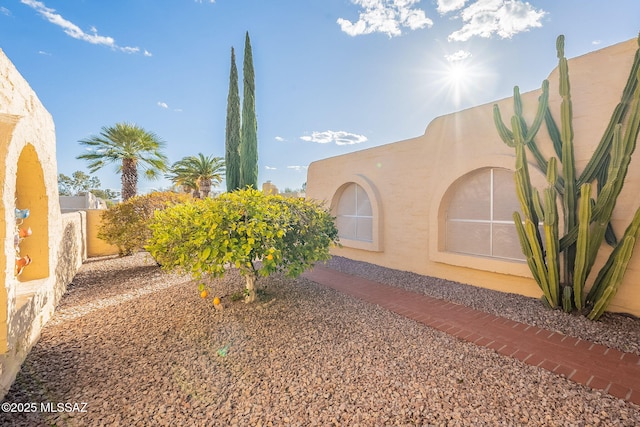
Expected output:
(129, 178)
(250, 288)
(205, 187)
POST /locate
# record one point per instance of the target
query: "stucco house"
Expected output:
(441, 204)
(42, 249)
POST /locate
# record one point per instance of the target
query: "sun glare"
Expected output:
(457, 80)
(460, 82)
(458, 73)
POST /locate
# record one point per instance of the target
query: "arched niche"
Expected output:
(31, 194)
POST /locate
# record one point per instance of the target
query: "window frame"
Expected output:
(440, 198)
(356, 216)
(376, 243)
(491, 221)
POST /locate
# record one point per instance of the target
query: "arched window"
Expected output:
(354, 214)
(479, 217)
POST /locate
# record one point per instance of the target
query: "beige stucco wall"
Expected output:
(28, 180)
(95, 246)
(407, 181)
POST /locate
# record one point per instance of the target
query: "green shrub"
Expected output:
(126, 224)
(204, 237)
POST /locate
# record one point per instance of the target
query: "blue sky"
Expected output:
(332, 76)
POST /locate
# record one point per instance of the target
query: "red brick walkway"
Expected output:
(583, 362)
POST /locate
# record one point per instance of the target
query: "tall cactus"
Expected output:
(586, 207)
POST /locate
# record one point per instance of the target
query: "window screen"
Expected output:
(354, 214)
(480, 215)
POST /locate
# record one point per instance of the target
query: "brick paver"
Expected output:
(583, 362)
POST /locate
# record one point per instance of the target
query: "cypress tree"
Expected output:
(249, 131)
(232, 131)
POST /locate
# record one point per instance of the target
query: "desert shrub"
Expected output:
(258, 234)
(126, 224)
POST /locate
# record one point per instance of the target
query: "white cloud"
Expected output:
(385, 16)
(164, 105)
(485, 18)
(130, 49)
(73, 30)
(147, 53)
(596, 42)
(298, 168)
(5, 11)
(458, 56)
(42, 52)
(208, 1)
(445, 6)
(279, 139)
(270, 168)
(339, 137)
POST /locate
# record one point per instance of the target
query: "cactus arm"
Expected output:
(595, 163)
(505, 134)
(598, 309)
(550, 226)
(595, 293)
(536, 264)
(601, 178)
(543, 103)
(527, 194)
(615, 278)
(554, 132)
(517, 102)
(621, 152)
(529, 234)
(568, 161)
(605, 204)
(566, 299)
(531, 231)
(633, 127)
(621, 157)
(523, 179)
(582, 266)
(568, 239)
(537, 203)
(526, 248)
(607, 194)
(528, 134)
(532, 210)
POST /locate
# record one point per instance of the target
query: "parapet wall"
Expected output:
(410, 194)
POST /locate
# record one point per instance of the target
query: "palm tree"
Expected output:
(130, 147)
(204, 171)
(182, 183)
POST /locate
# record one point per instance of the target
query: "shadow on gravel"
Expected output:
(92, 283)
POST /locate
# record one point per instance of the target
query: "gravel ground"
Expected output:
(141, 348)
(613, 330)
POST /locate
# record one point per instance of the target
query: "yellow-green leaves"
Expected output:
(205, 254)
(126, 224)
(258, 234)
